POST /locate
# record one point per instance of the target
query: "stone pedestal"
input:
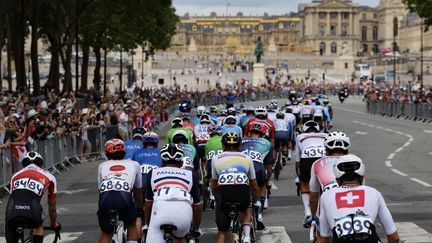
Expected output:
(259, 75)
(192, 46)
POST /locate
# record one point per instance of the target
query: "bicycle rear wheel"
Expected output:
(278, 166)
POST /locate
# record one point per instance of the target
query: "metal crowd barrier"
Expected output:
(61, 152)
(408, 110)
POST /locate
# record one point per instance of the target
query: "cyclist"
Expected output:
(187, 122)
(348, 212)
(261, 117)
(283, 135)
(306, 113)
(232, 163)
(292, 119)
(223, 114)
(260, 150)
(149, 156)
(233, 112)
(136, 144)
(229, 125)
(296, 110)
(250, 113)
(177, 124)
(309, 148)
(170, 192)
(28, 186)
(201, 135)
(318, 116)
(213, 147)
(328, 114)
(200, 111)
(190, 156)
(213, 113)
(120, 183)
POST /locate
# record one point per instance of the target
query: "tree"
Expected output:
(423, 8)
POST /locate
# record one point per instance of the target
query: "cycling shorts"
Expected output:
(305, 168)
(23, 209)
(116, 200)
(261, 174)
(230, 194)
(200, 147)
(282, 138)
(177, 213)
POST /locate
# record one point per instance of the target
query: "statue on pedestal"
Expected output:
(259, 50)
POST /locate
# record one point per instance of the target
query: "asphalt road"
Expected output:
(398, 159)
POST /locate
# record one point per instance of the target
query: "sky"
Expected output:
(248, 7)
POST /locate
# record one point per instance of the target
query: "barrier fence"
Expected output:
(59, 153)
(408, 110)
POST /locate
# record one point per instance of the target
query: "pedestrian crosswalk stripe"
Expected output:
(269, 235)
(410, 232)
(65, 237)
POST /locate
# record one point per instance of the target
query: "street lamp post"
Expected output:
(76, 45)
(421, 56)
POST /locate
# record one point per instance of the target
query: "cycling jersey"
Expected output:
(232, 128)
(271, 116)
(345, 211)
(228, 165)
(119, 175)
(148, 159)
(170, 134)
(318, 111)
(322, 175)
(201, 133)
(244, 121)
(267, 122)
(307, 111)
(131, 147)
(34, 179)
(190, 158)
(310, 145)
(196, 121)
(213, 147)
(260, 151)
(296, 109)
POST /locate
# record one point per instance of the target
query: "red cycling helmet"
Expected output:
(114, 145)
(258, 127)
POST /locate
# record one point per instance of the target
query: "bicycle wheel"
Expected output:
(254, 223)
(278, 166)
(205, 197)
(236, 232)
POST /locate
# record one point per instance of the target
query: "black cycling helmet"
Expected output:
(231, 140)
(172, 154)
(138, 132)
(32, 158)
(280, 115)
(311, 125)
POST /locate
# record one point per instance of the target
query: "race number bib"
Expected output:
(254, 155)
(29, 184)
(348, 226)
(114, 184)
(172, 193)
(145, 169)
(313, 152)
(203, 137)
(213, 153)
(187, 162)
(233, 179)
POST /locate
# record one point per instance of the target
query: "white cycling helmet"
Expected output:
(177, 121)
(310, 124)
(274, 102)
(172, 152)
(260, 110)
(337, 140)
(349, 164)
(200, 110)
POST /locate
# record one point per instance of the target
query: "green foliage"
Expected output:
(423, 8)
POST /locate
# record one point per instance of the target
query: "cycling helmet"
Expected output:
(230, 120)
(213, 109)
(250, 109)
(295, 102)
(200, 110)
(150, 138)
(337, 140)
(232, 111)
(172, 153)
(213, 130)
(257, 127)
(205, 118)
(280, 115)
(261, 112)
(185, 116)
(311, 124)
(180, 136)
(348, 164)
(177, 122)
(288, 110)
(115, 149)
(32, 158)
(326, 101)
(231, 139)
(138, 132)
(274, 102)
(223, 112)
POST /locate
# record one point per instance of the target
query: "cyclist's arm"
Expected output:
(297, 156)
(386, 220)
(324, 226)
(52, 203)
(314, 187)
(214, 177)
(148, 198)
(252, 181)
(268, 162)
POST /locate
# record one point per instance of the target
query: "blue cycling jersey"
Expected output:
(131, 147)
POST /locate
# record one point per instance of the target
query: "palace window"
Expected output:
(333, 30)
(194, 28)
(333, 48)
(322, 48)
(375, 33)
(345, 15)
(364, 33)
(364, 16)
(333, 15)
(322, 15)
(344, 31)
(322, 30)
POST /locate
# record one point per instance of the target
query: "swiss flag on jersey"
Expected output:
(350, 199)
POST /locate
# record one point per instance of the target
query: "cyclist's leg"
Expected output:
(304, 176)
(222, 219)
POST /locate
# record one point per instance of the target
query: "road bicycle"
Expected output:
(236, 226)
(120, 232)
(278, 165)
(28, 238)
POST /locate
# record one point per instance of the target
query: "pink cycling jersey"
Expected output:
(322, 175)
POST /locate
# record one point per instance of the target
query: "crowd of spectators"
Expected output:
(406, 93)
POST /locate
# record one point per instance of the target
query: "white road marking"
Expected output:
(270, 234)
(427, 131)
(406, 144)
(361, 133)
(410, 232)
(399, 172)
(399, 149)
(354, 111)
(390, 157)
(430, 153)
(421, 182)
(400, 133)
(274, 187)
(70, 192)
(388, 130)
(388, 163)
(379, 127)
